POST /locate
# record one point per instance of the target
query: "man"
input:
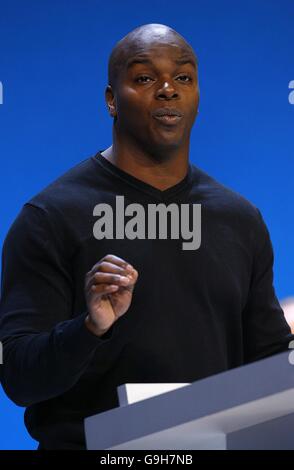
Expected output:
(86, 308)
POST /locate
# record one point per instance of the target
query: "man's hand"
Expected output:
(108, 289)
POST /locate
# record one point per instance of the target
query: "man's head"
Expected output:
(152, 72)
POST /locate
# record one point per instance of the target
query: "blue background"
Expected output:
(53, 67)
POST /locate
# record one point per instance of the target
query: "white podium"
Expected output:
(249, 407)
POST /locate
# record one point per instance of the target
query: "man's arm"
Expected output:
(266, 331)
(45, 351)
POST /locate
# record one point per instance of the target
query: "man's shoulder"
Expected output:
(221, 198)
(68, 187)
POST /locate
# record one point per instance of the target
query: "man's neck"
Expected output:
(161, 174)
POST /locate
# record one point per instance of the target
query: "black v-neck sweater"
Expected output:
(194, 312)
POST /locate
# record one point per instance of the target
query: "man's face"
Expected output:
(156, 97)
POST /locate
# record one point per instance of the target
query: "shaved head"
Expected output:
(138, 41)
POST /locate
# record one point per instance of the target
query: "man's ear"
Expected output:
(110, 100)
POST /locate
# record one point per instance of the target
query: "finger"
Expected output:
(133, 275)
(114, 260)
(103, 289)
(133, 279)
(107, 267)
(107, 278)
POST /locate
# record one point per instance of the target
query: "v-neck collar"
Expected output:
(142, 185)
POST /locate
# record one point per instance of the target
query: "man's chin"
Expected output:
(163, 150)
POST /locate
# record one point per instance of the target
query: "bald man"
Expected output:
(135, 265)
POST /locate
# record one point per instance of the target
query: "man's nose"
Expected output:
(167, 91)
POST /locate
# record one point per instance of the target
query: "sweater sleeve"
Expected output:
(266, 331)
(45, 350)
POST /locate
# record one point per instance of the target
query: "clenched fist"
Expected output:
(108, 289)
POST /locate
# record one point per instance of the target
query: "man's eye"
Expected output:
(184, 78)
(143, 79)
